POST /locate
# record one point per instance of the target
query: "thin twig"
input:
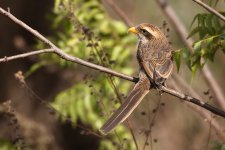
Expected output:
(151, 123)
(119, 12)
(178, 84)
(20, 78)
(194, 101)
(65, 56)
(210, 9)
(6, 59)
(209, 134)
(183, 33)
(127, 21)
(60, 52)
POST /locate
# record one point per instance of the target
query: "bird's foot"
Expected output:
(158, 87)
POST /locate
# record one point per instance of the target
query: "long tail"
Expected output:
(127, 107)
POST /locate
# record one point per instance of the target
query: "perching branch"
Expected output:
(194, 101)
(67, 57)
(37, 52)
(60, 52)
(210, 9)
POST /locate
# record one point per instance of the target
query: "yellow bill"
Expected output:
(133, 30)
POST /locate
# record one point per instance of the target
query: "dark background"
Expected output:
(46, 82)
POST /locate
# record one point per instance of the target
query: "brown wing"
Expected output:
(127, 107)
(164, 70)
(148, 68)
(159, 65)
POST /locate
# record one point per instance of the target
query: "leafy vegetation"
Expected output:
(211, 38)
(86, 31)
(6, 145)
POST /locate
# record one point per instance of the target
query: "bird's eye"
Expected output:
(144, 32)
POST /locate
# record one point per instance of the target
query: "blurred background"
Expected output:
(61, 105)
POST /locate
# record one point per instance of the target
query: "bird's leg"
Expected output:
(157, 84)
(152, 75)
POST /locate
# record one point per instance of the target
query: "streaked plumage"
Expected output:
(155, 59)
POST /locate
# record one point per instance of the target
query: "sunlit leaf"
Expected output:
(216, 23)
(197, 46)
(35, 67)
(193, 70)
(6, 145)
(193, 32)
(177, 57)
(194, 20)
(187, 57)
(208, 22)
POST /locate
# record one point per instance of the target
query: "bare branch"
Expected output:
(194, 101)
(119, 12)
(178, 84)
(60, 52)
(6, 59)
(183, 33)
(210, 9)
(65, 56)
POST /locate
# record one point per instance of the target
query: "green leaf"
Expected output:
(222, 36)
(193, 32)
(216, 23)
(80, 110)
(119, 27)
(201, 18)
(35, 67)
(223, 147)
(222, 45)
(6, 145)
(193, 70)
(177, 57)
(186, 56)
(79, 102)
(197, 46)
(73, 113)
(203, 31)
(193, 21)
(208, 22)
(209, 40)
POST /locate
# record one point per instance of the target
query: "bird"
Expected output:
(154, 56)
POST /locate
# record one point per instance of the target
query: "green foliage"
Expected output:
(215, 145)
(207, 25)
(5, 145)
(211, 38)
(177, 57)
(86, 31)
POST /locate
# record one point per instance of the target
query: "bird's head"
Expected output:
(147, 32)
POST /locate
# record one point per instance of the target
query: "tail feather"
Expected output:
(127, 107)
